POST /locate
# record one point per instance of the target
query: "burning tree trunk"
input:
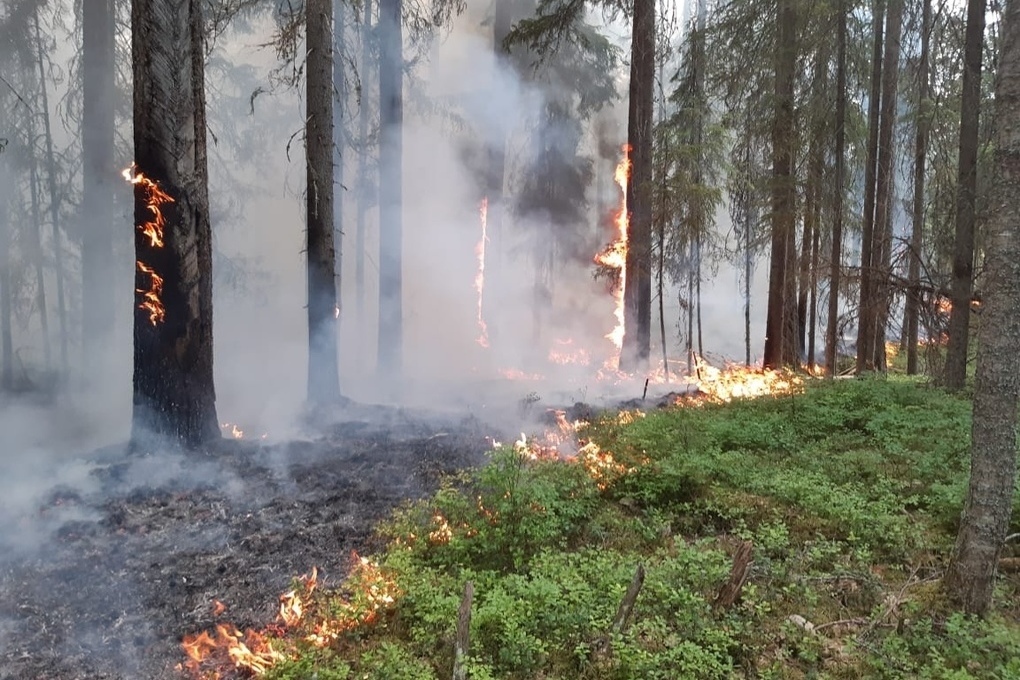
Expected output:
(638, 269)
(98, 175)
(970, 579)
(323, 372)
(391, 122)
(963, 250)
(174, 395)
(784, 188)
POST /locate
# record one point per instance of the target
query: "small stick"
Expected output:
(461, 646)
(645, 393)
(623, 612)
(730, 591)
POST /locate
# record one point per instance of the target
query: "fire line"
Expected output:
(155, 198)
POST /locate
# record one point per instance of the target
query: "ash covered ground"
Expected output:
(103, 577)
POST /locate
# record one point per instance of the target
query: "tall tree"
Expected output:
(98, 175)
(783, 182)
(638, 267)
(365, 183)
(838, 194)
(323, 372)
(391, 131)
(174, 396)
(970, 578)
(922, 122)
(966, 198)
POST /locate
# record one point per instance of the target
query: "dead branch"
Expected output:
(730, 592)
(603, 645)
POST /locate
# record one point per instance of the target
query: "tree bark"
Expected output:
(98, 175)
(867, 308)
(913, 301)
(970, 578)
(35, 241)
(783, 184)
(391, 122)
(174, 397)
(323, 371)
(839, 169)
(365, 185)
(638, 291)
(966, 199)
(880, 270)
(6, 340)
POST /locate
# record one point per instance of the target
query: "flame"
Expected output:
(218, 608)
(155, 198)
(564, 352)
(292, 603)
(517, 374)
(483, 213)
(234, 431)
(249, 650)
(442, 533)
(943, 305)
(615, 256)
(736, 381)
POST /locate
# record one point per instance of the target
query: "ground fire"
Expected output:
(155, 198)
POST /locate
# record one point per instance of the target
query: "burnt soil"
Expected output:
(130, 562)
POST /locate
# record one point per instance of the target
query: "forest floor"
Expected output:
(109, 575)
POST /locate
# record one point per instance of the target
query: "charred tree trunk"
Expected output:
(365, 185)
(885, 185)
(323, 371)
(391, 124)
(913, 302)
(966, 199)
(867, 308)
(783, 185)
(174, 395)
(839, 168)
(98, 176)
(638, 292)
(970, 579)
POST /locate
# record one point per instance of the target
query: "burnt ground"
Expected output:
(107, 575)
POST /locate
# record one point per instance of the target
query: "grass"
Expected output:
(849, 492)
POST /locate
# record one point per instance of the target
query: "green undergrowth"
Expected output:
(849, 494)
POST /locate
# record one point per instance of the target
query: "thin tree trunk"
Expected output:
(913, 302)
(174, 397)
(970, 579)
(867, 309)
(804, 287)
(36, 248)
(813, 283)
(697, 294)
(323, 372)
(391, 123)
(364, 174)
(885, 184)
(966, 199)
(51, 162)
(748, 271)
(6, 340)
(791, 352)
(839, 162)
(638, 292)
(783, 186)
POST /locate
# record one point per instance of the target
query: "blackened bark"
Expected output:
(391, 122)
(922, 123)
(970, 579)
(966, 199)
(839, 168)
(323, 373)
(638, 292)
(174, 397)
(98, 176)
(884, 185)
(867, 308)
(783, 184)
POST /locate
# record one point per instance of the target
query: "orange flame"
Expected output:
(483, 213)
(736, 381)
(615, 256)
(155, 198)
(564, 352)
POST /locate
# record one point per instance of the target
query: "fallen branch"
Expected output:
(463, 642)
(730, 592)
(603, 645)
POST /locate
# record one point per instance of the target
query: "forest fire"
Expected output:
(736, 382)
(615, 256)
(565, 352)
(155, 198)
(483, 212)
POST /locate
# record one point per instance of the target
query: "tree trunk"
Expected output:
(174, 397)
(783, 183)
(638, 292)
(867, 309)
(970, 579)
(323, 372)
(6, 341)
(36, 249)
(391, 122)
(813, 284)
(966, 199)
(364, 174)
(791, 353)
(913, 302)
(839, 167)
(98, 175)
(885, 184)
